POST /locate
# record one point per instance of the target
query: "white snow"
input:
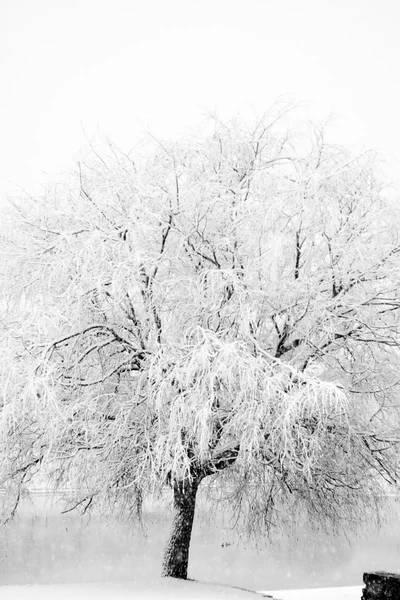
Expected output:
(335, 593)
(166, 589)
(156, 589)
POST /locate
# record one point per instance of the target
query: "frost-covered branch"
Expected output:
(222, 308)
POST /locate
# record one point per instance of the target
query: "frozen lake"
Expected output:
(43, 546)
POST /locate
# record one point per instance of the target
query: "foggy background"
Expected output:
(128, 66)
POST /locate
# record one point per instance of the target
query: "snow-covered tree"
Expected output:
(223, 311)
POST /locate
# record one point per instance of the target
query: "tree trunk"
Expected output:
(176, 553)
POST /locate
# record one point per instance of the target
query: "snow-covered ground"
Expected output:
(162, 589)
(336, 593)
(166, 590)
(155, 589)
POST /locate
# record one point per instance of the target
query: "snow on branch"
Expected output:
(221, 307)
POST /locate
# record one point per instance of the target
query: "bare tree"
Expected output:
(223, 309)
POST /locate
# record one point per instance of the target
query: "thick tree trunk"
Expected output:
(176, 553)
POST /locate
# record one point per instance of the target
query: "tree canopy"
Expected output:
(224, 307)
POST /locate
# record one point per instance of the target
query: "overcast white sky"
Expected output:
(70, 66)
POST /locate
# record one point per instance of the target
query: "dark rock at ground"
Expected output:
(381, 586)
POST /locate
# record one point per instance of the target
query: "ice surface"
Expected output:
(44, 547)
